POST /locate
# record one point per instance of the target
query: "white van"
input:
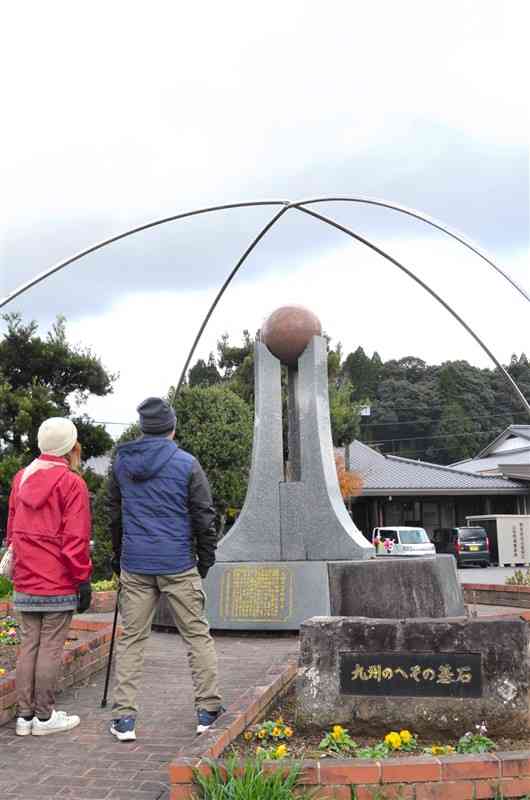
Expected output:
(402, 541)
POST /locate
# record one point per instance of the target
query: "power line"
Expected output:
(435, 419)
(433, 436)
(103, 422)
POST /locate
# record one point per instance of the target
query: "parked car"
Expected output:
(469, 544)
(402, 541)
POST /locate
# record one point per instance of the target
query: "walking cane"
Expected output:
(109, 663)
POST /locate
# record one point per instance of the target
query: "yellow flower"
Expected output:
(338, 729)
(262, 733)
(248, 735)
(288, 731)
(441, 749)
(393, 740)
(278, 721)
(276, 731)
(281, 751)
(405, 736)
(2, 671)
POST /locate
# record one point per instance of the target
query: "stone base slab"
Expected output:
(280, 595)
(499, 645)
(396, 587)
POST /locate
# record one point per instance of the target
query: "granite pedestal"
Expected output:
(425, 675)
(281, 595)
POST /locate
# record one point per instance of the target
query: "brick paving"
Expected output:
(89, 764)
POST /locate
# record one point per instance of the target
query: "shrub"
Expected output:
(519, 578)
(102, 552)
(6, 587)
(105, 586)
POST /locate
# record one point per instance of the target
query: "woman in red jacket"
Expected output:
(49, 530)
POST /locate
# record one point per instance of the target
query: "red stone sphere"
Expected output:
(288, 331)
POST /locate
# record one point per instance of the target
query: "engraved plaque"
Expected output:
(411, 674)
(266, 595)
(257, 593)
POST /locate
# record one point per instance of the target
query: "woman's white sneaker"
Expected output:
(59, 722)
(24, 726)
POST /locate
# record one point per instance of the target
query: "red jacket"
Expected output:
(49, 527)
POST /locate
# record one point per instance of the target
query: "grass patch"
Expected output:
(249, 782)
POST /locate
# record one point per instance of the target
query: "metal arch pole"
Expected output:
(285, 206)
(225, 285)
(436, 296)
(62, 264)
(411, 212)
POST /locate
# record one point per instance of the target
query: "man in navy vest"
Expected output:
(164, 541)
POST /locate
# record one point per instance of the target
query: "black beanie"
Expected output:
(156, 416)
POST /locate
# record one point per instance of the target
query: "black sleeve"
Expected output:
(202, 514)
(113, 503)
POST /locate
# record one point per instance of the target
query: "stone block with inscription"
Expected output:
(266, 595)
(426, 675)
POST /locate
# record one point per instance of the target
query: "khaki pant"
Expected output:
(43, 635)
(138, 600)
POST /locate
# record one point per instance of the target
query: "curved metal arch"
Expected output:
(411, 212)
(153, 224)
(425, 286)
(266, 228)
(286, 205)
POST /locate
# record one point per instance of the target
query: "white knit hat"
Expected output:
(56, 436)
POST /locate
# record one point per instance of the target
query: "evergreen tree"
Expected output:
(40, 378)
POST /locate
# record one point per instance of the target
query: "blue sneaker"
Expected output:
(207, 718)
(123, 729)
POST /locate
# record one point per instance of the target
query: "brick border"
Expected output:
(492, 594)
(413, 778)
(103, 602)
(79, 662)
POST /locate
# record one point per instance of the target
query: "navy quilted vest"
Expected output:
(153, 475)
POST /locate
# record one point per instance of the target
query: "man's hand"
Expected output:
(203, 571)
(115, 564)
(84, 596)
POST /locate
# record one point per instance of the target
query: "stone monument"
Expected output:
(294, 552)
(272, 567)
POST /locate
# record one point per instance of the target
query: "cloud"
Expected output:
(438, 171)
(114, 123)
(117, 117)
(360, 298)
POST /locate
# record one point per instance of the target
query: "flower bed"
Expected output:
(85, 654)
(281, 737)
(424, 777)
(9, 642)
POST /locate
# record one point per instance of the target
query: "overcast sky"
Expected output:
(118, 113)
